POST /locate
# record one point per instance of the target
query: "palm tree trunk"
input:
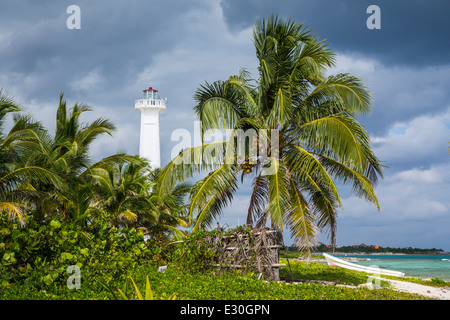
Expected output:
(333, 237)
(249, 219)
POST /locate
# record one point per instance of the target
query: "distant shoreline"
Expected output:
(345, 255)
(391, 254)
(375, 249)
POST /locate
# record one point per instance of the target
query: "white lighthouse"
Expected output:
(150, 107)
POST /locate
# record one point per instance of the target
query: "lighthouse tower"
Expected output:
(150, 107)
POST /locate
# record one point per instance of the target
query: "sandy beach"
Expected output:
(442, 293)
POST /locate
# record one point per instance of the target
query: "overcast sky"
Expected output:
(174, 46)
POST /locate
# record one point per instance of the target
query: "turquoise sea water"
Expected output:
(422, 266)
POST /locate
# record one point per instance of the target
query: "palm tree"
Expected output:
(53, 175)
(171, 207)
(312, 119)
(18, 177)
(124, 191)
(67, 154)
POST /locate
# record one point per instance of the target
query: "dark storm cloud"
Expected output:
(119, 41)
(116, 41)
(412, 32)
(400, 93)
(407, 59)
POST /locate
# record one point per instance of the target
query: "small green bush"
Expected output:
(438, 281)
(194, 254)
(39, 255)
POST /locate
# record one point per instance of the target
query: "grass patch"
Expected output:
(318, 271)
(323, 272)
(226, 286)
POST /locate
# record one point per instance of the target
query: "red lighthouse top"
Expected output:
(150, 89)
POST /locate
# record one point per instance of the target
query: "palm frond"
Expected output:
(128, 215)
(322, 204)
(300, 218)
(29, 173)
(211, 194)
(218, 106)
(187, 163)
(361, 185)
(343, 139)
(347, 91)
(14, 211)
(310, 60)
(281, 111)
(91, 131)
(7, 105)
(278, 193)
(308, 168)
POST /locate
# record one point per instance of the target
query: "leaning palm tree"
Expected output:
(310, 121)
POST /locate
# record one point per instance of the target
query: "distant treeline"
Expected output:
(371, 249)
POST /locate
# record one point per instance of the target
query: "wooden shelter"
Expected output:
(255, 250)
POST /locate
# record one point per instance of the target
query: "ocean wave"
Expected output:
(446, 260)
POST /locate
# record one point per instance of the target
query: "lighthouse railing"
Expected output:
(150, 102)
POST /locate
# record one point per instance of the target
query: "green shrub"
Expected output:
(194, 254)
(438, 281)
(39, 255)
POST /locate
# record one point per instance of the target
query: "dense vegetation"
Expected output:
(46, 176)
(206, 286)
(39, 256)
(60, 209)
(35, 260)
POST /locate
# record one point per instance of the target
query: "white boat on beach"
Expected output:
(333, 261)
